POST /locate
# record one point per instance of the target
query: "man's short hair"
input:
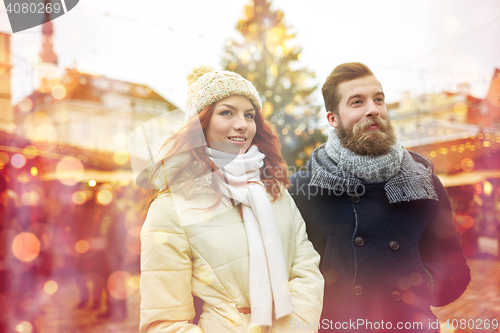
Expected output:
(344, 72)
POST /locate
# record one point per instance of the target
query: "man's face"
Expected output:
(363, 124)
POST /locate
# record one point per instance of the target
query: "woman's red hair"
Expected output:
(272, 174)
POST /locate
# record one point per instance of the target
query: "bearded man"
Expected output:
(378, 216)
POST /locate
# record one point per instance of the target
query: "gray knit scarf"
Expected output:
(406, 177)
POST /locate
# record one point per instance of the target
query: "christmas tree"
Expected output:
(267, 56)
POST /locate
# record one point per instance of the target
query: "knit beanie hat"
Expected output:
(207, 86)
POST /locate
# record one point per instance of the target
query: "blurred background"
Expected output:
(72, 91)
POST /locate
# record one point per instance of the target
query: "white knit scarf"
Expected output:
(371, 169)
(268, 274)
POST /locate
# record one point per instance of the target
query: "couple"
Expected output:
(225, 229)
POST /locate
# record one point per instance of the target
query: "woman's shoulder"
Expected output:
(283, 198)
(161, 213)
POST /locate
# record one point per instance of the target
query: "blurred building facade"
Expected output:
(83, 110)
(6, 115)
(460, 134)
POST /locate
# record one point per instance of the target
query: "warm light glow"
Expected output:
(92, 183)
(50, 287)
(79, 197)
(24, 327)
(134, 282)
(205, 275)
(120, 139)
(69, 171)
(30, 152)
(121, 157)
(467, 164)
(26, 246)
(118, 285)
(18, 161)
(486, 144)
(466, 221)
(59, 92)
(488, 188)
(26, 105)
(34, 171)
(39, 127)
(31, 198)
(460, 109)
(82, 246)
(4, 157)
(299, 162)
(267, 110)
(284, 131)
(408, 297)
(160, 237)
(104, 197)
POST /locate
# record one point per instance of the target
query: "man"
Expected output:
(379, 218)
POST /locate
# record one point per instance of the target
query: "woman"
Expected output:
(224, 229)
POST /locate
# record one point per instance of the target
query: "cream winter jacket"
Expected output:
(204, 253)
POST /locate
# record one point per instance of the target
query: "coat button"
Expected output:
(359, 241)
(355, 199)
(394, 245)
(396, 295)
(358, 290)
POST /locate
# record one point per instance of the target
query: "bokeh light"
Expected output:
(118, 285)
(79, 197)
(466, 221)
(30, 152)
(205, 275)
(26, 246)
(467, 164)
(92, 183)
(82, 246)
(38, 126)
(104, 197)
(31, 198)
(4, 158)
(26, 105)
(69, 171)
(34, 171)
(121, 157)
(24, 327)
(59, 92)
(50, 287)
(134, 282)
(460, 109)
(408, 297)
(18, 161)
(488, 188)
(160, 237)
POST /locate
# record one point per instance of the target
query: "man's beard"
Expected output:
(368, 142)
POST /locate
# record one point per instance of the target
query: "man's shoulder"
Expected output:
(301, 176)
(421, 159)
(299, 180)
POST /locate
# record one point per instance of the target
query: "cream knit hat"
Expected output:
(207, 86)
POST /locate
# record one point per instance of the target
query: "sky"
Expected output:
(416, 46)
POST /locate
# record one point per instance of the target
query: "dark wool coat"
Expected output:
(381, 261)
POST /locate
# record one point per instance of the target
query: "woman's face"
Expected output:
(232, 124)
